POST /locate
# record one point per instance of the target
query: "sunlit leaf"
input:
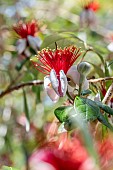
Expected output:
(90, 111)
(98, 70)
(76, 121)
(62, 40)
(63, 112)
(105, 107)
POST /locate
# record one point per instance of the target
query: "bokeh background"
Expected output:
(55, 17)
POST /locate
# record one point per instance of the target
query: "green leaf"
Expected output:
(104, 121)
(63, 112)
(85, 92)
(62, 39)
(37, 91)
(28, 76)
(76, 121)
(21, 64)
(100, 56)
(8, 168)
(110, 63)
(106, 70)
(86, 108)
(104, 107)
(98, 70)
(26, 111)
(90, 111)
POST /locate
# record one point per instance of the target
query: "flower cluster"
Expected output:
(26, 31)
(87, 17)
(57, 65)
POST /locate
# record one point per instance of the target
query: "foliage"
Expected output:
(56, 83)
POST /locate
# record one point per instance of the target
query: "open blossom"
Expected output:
(57, 64)
(87, 16)
(26, 31)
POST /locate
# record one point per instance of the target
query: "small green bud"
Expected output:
(83, 68)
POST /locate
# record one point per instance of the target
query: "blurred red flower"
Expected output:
(87, 16)
(65, 154)
(92, 5)
(24, 29)
(106, 154)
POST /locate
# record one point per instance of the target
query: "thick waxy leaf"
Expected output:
(87, 108)
(63, 112)
(85, 92)
(104, 107)
(76, 121)
(99, 71)
(90, 111)
(62, 39)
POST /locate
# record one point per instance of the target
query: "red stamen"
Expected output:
(91, 4)
(60, 59)
(25, 29)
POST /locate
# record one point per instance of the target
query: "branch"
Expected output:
(30, 83)
(40, 82)
(100, 79)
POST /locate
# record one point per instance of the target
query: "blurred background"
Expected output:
(30, 107)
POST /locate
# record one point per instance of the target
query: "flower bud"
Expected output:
(83, 68)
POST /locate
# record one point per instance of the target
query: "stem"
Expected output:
(56, 45)
(80, 84)
(85, 54)
(30, 83)
(100, 79)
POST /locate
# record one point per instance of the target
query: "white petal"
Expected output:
(50, 91)
(85, 86)
(110, 47)
(63, 81)
(38, 41)
(97, 97)
(71, 91)
(32, 42)
(74, 75)
(54, 81)
(21, 45)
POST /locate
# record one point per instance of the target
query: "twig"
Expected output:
(100, 79)
(30, 83)
(108, 95)
(40, 82)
